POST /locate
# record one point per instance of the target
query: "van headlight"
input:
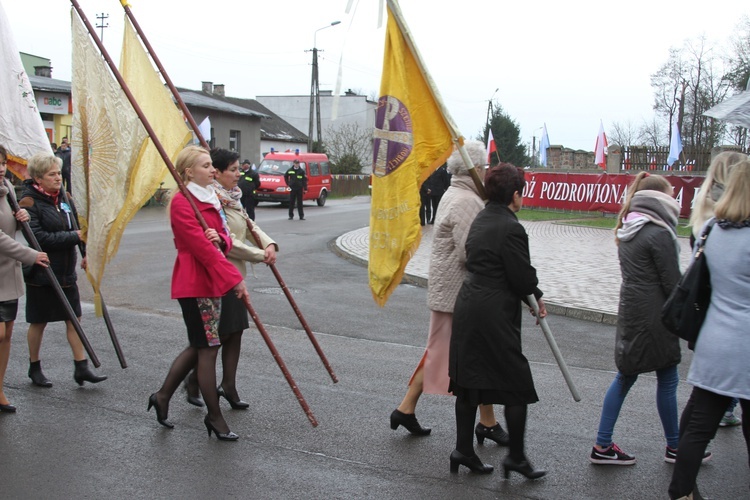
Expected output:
(282, 189)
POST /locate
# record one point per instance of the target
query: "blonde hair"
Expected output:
(41, 163)
(716, 176)
(734, 204)
(642, 182)
(187, 158)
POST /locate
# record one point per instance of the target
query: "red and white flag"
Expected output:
(600, 150)
(491, 147)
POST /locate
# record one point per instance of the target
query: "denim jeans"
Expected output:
(666, 404)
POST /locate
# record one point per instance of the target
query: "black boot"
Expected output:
(84, 374)
(36, 375)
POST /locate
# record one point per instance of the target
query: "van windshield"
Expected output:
(274, 167)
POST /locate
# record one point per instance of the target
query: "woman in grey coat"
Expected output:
(648, 252)
(719, 371)
(12, 255)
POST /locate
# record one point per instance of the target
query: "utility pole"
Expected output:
(489, 114)
(315, 92)
(103, 25)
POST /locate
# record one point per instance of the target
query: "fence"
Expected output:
(645, 158)
(350, 185)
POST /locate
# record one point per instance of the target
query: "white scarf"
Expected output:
(204, 194)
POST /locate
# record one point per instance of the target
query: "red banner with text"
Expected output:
(597, 192)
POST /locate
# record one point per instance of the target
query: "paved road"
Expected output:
(99, 442)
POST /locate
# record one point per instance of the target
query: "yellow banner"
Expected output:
(411, 139)
(107, 142)
(165, 118)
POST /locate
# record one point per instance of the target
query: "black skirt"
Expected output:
(8, 310)
(43, 305)
(234, 316)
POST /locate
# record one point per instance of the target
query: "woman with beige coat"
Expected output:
(12, 255)
(458, 207)
(234, 317)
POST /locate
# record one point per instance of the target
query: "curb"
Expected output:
(580, 313)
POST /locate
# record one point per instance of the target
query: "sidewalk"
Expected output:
(577, 266)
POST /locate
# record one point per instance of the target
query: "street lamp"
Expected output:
(315, 90)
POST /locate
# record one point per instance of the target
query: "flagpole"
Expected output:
(105, 312)
(29, 234)
(555, 350)
(189, 198)
(458, 139)
(196, 129)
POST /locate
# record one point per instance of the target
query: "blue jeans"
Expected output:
(666, 404)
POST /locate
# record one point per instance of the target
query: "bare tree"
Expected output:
(652, 133)
(625, 134)
(349, 147)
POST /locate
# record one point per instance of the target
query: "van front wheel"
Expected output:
(322, 198)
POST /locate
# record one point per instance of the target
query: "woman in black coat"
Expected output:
(486, 364)
(52, 222)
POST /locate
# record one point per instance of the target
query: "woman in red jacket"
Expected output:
(201, 275)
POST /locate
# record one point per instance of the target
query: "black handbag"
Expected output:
(685, 309)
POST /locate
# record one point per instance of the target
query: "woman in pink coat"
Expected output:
(202, 274)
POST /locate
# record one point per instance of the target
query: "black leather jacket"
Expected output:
(52, 225)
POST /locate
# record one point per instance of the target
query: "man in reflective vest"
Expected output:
(296, 179)
(248, 183)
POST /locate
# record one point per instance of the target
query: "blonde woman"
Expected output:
(201, 276)
(52, 222)
(719, 370)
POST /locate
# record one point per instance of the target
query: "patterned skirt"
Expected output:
(201, 316)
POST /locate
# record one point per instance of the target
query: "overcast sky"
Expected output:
(566, 64)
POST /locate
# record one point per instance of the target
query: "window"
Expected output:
(324, 168)
(234, 140)
(314, 168)
(212, 141)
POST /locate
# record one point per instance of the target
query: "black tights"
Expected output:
(205, 358)
(515, 418)
(230, 359)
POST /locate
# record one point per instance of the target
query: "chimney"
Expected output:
(45, 71)
(207, 87)
(219, 89)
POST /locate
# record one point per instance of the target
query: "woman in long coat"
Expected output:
(486, 362)
(12, 254)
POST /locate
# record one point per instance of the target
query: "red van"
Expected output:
(273, 167)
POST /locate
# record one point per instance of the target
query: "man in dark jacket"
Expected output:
(296, 179)
(63, 152)
(249, 182)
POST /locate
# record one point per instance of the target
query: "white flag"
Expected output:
(21, 130)
(205, 129)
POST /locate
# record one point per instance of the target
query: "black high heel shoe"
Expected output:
(193, 394)
(473, 463)
(236, 405)
(522, 467)
(159, 418)
(223, 436)
(410, 423)
(495, 433)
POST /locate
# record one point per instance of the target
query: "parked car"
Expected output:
(273, 167)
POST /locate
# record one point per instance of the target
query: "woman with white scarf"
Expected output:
(202, 275)
(648, 251)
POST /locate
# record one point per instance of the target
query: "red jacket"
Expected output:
(200, 270)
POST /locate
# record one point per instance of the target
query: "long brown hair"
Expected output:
(642, 182)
